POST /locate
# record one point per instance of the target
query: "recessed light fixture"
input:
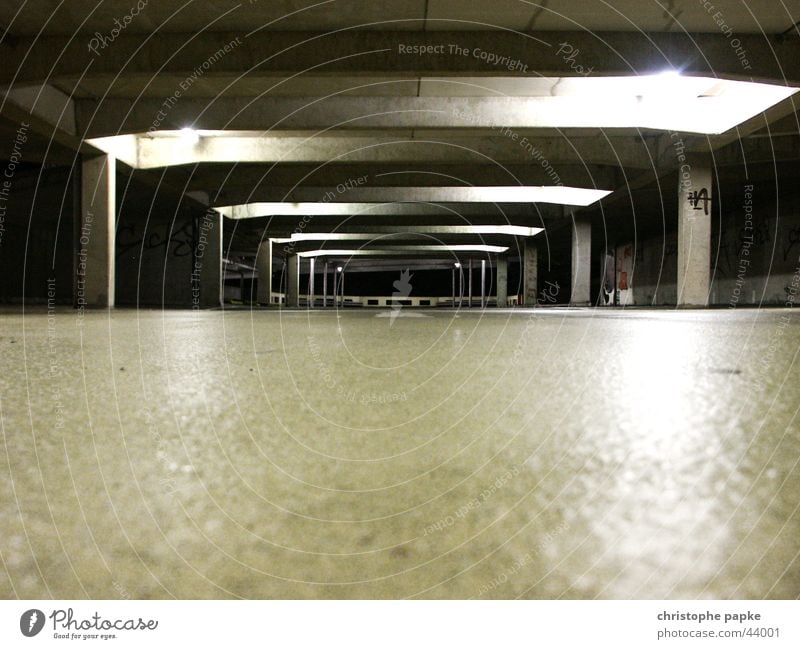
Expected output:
(189, 135)
(399, 251)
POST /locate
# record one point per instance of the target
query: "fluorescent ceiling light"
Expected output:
(378, 234)
(190, 135)
(668, 101)
(399, 251)
(558, 195)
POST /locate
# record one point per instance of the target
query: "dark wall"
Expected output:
(756, 248)
(155, 243)
(744, 270)
(155, 239)
(36, 237)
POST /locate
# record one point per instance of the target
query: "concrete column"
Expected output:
(530, 272)
(581, 261)
(264, 267)
(460, 285)
(501, 279)
(469, 289)
(325, 285)
(694, 237)
(94, 281)
(292, 280)
(208, 261)
(483, 283)
(311, 277)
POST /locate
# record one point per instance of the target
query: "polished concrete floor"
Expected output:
(372, 454)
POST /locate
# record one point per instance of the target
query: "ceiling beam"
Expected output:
(330, 201)
(619, 106)
(432, 250)
(29, 60)
(234, 183)
(434, 212)
(163, 151)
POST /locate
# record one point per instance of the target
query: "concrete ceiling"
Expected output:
(31, 17)
(303, 109)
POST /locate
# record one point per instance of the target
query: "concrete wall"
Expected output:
(155, 242)
(36, 238)
(655, 270)
(755, 251)
(156, 232)
(755, 254)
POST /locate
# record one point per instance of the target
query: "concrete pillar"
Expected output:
(207, 273)
(694, 237)
(501, 279)
(292, 280)
(530, 272)
(325, 285)
(483, 283)
(311, 277)
(460, 285)
(581, 261)
(469, 290)
(94, 281)
(264, 267)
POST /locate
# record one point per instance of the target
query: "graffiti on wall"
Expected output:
(179, 243)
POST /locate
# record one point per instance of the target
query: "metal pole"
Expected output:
(483, 283)
(325, 285)
(311, 268)
(342, 281)
(453, 278)
(460, 285)
(285, 280)
(469, 304)
(335, 287)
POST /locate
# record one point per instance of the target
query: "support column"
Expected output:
(530, 272)
(694, 236)
(581, 261)
(336, 286)
(311, 277)
(501, 279)
(469, 286)
(325, 285)
(264, 267)
(292, 280)
(483, 283)
(94, 281)
(460, 285)
(208, 261)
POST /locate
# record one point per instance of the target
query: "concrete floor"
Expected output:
(561, 453)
